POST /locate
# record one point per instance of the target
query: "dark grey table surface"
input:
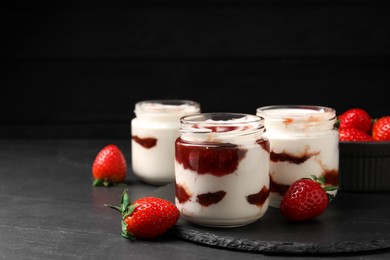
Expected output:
(50, 210)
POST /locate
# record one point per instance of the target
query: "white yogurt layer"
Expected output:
(165, 110)
(158, 119)
(245, 127)
(154, 165)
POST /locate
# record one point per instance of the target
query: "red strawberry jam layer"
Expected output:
(209, 198)
(214, 158)
(286, 157)
(147, 142)
(259, 198)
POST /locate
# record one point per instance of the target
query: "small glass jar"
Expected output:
(153, 134)
(303, 142)
(222, 169)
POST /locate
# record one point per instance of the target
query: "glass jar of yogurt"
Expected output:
(303, 142)
(153, 134)
(222, 169)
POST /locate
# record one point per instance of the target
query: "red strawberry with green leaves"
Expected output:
(357, 118)
(109, 167)
(147, 217)
(306, 199)
(351, 134)
(381, 129)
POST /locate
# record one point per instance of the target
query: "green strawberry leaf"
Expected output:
(114, 207)
(330, 188)
(125, 201)
(125, 233)
(106, 183)
(321, 180)
(330, 197)
(126, 208)
(129, 210)
(337, 123)
(97, 182)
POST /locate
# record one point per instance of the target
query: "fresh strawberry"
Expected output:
(353, 135)
(305, 199)
(381, 129)
(109, 167)
(147, 217)
(357, 118)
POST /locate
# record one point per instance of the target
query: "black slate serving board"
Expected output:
(352, 223)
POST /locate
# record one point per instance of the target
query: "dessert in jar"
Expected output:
(153, 134)
(303, 142)
(222, 169)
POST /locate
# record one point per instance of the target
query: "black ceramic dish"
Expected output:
(364, 166)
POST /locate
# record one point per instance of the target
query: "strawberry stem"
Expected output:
(125, 201)
(126, 208)
(113, 207)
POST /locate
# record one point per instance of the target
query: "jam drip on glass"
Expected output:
(264, 143)
(286, 157)
(275, 187)
(331, 177)
(206, 199)
(259, 198)
(147, 142)
(182, 194)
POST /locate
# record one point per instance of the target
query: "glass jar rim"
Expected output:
(189, 123)
(305, 110)
(162, 106)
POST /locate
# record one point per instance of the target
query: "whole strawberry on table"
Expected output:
(109, 167)
(146, 218)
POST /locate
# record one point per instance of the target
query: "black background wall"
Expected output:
(76, 69)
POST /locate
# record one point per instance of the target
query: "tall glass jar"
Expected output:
(153, 134)
(303, 142)
(222, 169)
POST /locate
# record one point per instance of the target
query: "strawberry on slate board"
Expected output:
(147, 217)
(353, 135)
(381, 129)
(109, 167)
(306, 199)
(357, 118)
